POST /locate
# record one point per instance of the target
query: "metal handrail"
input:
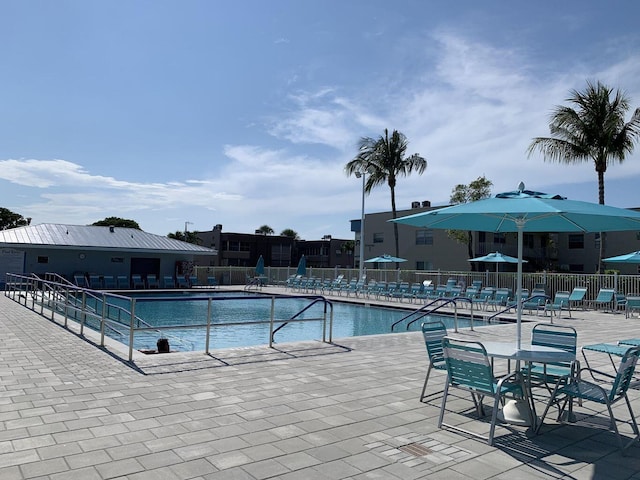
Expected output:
(514, 305)
(440, 303)
(318, 299)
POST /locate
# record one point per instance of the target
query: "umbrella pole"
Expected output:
(520, 225)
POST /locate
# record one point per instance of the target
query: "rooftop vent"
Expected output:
(415, 204)
(112, 228)
(426, 203)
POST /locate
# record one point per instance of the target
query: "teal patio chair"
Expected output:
(499, 298)
(137, 281)
(483, 297)
(94, 282)
(193, 281)
(606, 394)
(536, 301)
(469, 369)
(123, 282)
(152, 280)
(633, 305)
(619, 302)
(577, 296)
(109, 282)
(556, 336)
(604, 299)
(80, 281)
(560, 302)
(433, 333)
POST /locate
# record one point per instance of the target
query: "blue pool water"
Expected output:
(348, 320)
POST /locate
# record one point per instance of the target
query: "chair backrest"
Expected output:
(605, 295)
(557, 336)
(477, 284)
(577, 294)
(468, 365)
(561, 298)
(433, 333)
(625, 373)
(471, 292)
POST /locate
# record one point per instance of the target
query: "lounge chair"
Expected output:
(94, 282)
(633, 305)
(483, 297)
(212, 282)
(619, 302)
(183, 281)
(536, 301)
(433, 333)
(560, 302)
(137, 281)
(80, 281)
(193, 281)
(123, 282)
(401, 291)
(577, 296)
(469, 369)
(108, 282)
(604, 299)
(499, 298)
(605, 393)
(168, 282)
(152, 281)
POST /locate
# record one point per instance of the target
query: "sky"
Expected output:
(187, 114)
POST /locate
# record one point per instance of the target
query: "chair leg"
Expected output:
(444, 404)
(494, 417)
(426, 380)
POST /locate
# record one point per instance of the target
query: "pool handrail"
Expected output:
(318, 299)
(439, 303)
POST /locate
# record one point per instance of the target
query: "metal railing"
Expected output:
(98, 310)
(552, 282)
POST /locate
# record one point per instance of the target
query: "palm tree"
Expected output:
(265, 230)
(384, 160)
(288, 232)
(594, 131)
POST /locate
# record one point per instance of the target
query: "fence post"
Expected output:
(131, 327)
(208, 325)
(273, 308)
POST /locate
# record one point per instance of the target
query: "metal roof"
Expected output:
(94, 237)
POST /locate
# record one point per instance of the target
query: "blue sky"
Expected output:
(244, 113)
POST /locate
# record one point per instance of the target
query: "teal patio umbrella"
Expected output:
(260, 267)
(385, 259)
(526, 211)
(633, 257)
(302, 266)
(497, 258)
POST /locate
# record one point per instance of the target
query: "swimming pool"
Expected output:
(191, 309)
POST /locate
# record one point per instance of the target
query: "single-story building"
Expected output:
(73, 250)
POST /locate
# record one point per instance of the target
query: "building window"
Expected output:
(574, 267)
(499, 238)
(424, 237)
(482, 237)
(422, 265)
(576, 240)
(378, 237)
(597, 240)
(117, 260)
(43, 259)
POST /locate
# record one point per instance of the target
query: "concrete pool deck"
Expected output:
(308, 410)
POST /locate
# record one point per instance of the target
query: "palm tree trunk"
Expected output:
(395, 225)
(603, 235)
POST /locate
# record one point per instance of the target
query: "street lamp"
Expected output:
(361, 265)
(185, 229)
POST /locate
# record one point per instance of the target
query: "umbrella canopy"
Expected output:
(633, 257)
(497, 258)
(302, 266)
(385, 259)
(526, 211)
(260, 266)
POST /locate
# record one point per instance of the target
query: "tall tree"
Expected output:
(383, 159)
(117, 222)
(595, 130)
(288, 232)
(265, 229)
(477, 190)
(189, 237)
(9, 219)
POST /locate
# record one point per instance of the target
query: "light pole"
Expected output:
(185, 229)
(361, 264)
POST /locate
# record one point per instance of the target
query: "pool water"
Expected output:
(349, 320)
